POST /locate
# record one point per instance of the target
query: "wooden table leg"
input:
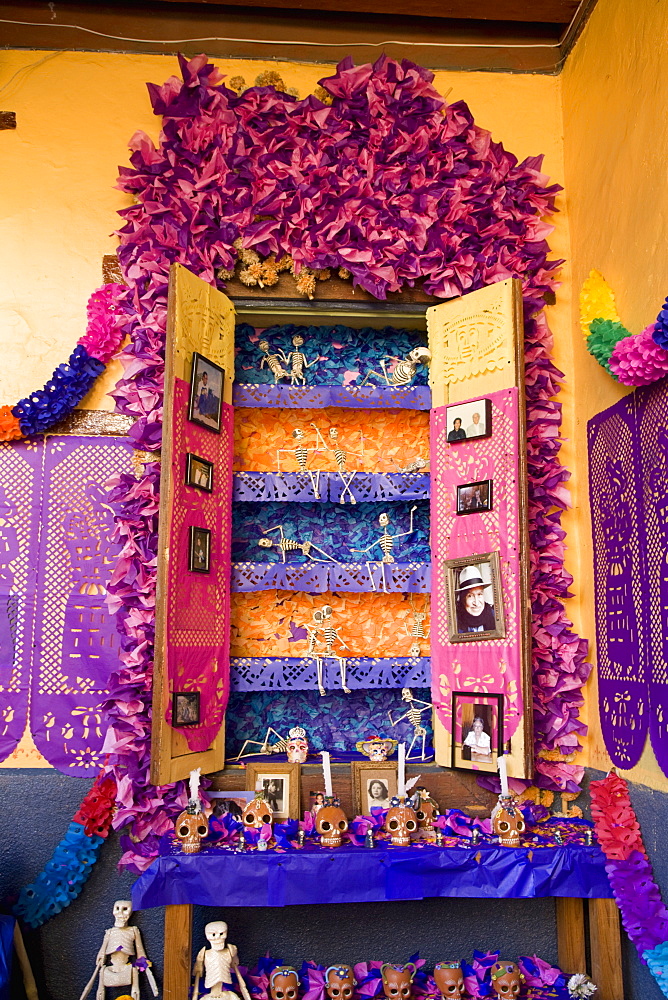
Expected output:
(571, 934)
(178, 952)
(606, 949)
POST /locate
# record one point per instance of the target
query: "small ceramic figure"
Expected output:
(426, 812)
(297, 746)
(331, 823)
(398, 980)
(217, 964)
(507, 821)
(257, 813)
(284, 983)
(339, 982)
(400, 822)
(449, 980)
(124, 948)
(376, 748)
(506, 979)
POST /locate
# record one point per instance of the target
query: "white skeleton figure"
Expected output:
(417, 465)
(386, 543)
(285, 545)
(265, 746)
(273, 361)
(414, 716)
(404, 371)
(321, 633)
(121, 944)
(297, 361)
(300, 455)
(417, 631)
(341, 459)
(217, 964)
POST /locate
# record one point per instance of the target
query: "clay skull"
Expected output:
(331, 823)
(400, 823)
(427, 810)
(296, 747)
(257, 814)
(506, 979)
(191, 827)
(284, 983)
(398, 981)
(339, 982)
(449, 979)
(507, 821)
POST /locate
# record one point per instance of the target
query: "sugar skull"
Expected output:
(449, 980)
(257, 813)
(398, 981)
(376, 748)
(339, 982)
(426, 811)
(507, 821)
(506, 979)
(191, 827)
(296, 746)
(284, 983)
(331, 823)
(400, 823)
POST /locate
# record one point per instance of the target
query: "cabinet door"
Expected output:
(191, 671)
(479, 523)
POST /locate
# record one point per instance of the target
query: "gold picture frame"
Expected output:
(364, 773)
(285, 797)
(480, 572)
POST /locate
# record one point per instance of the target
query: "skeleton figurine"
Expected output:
(404, 371)
(386, 544)
(217, 964)
(417, 631)
(300, 454)
(323, 634)
(417, 465)
(341, 459)
(285, 545)
(281, 746)
(124, 948)
(273, 361)
(297, 361)
(414, 716)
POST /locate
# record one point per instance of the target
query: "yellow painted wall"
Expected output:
(615, 106)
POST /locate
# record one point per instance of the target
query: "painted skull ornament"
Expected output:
(377, 748)
(191, 827)
(339, 982)
(257, 813)
(506, 979)
(296, 747)
(398, 980)
(400, 823)
(331, 823)
(284, 983)
(449, 979)
(507, 821)
(426, 810)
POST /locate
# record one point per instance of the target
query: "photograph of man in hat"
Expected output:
(474, 613)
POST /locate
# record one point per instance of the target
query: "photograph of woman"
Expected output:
(477, 725)
(475, 597)
(377, 793)
(478, 739)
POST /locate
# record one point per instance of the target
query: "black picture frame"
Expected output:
(465, 412)
(482, 505)
(185, 709)
(209, 417)
(195, 468)
(199, 552)
(479, 702)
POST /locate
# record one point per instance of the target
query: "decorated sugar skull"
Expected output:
(420, 355)
(331, 823)
(449, 980)
(376, 748)
(398, 980)
(400, 823)
(426, 811)
(296, 746)
(284, 983)
(506, 979)
(191, 827)
(507, 821)
(339, 982)
(257, 813)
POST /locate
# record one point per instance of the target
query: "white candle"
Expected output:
(194, 784)
(501, 764)
(401, 771)
(327, 773)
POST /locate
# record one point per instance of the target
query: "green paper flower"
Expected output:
(605, 333)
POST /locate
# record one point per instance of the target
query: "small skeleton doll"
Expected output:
(321, 633)
(417, 631)
(284, 983)
(341, 459)
(300, 455)
(285, 545)
(297, 361)
(217, 964)
(124, 948)
(404, 372)
(414, 716)
(417, 465)
(398, 980)
(449, 980)
(273, 361)
(386, 544)
(340, 982)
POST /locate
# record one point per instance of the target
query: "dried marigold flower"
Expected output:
(323, 274)
(344, 273)
(270, 78)
(285, 263)
(223, 274)
(237, 83)
(305, 282)
(249, 257)
(323, 95)
(269, 275)
(246, 278)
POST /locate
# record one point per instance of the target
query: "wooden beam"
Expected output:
(571, 934)
(177, 952)
(606, 949)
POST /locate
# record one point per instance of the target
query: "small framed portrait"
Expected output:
(280, 787)
(200, 550)
(374, 784)
(207, 381)
(233, 803)
(474, 498)
(199, 473)
(474, 598)
(465, 421)
(185, 708)
(477, 730)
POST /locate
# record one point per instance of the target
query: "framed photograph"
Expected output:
(465, 421)
(233, 803)
(207, 381)
(199, 473)
(474, 498)
(185, 708)
(280, 787)
(199, 560)
(474, 598)
(374, 784)
(477, 730)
